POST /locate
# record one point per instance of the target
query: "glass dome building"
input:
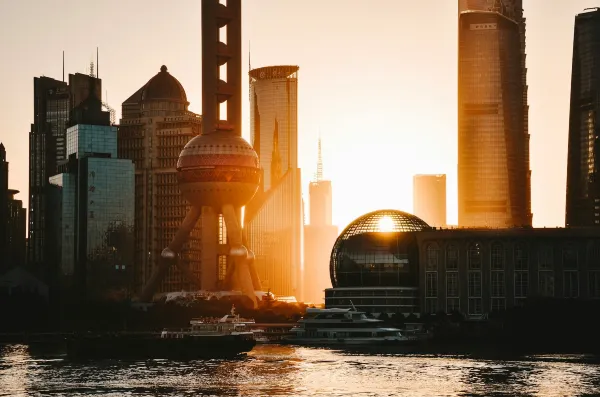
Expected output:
(375, 263)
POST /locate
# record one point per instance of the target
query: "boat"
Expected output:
(221, 338)
(331, 327)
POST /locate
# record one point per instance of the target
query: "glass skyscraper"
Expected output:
(583, 184)
(94, 198)
(494, 179)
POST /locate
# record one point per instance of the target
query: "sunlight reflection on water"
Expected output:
(289, 371)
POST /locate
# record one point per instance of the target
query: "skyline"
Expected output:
(337, 79)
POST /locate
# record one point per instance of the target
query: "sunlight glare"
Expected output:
(386, 224)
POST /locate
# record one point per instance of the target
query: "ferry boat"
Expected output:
(327, 327)
(227, 337)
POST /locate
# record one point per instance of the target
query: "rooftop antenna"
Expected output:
(319, 175)
(92, 69)
(63, 66)
(97, 64)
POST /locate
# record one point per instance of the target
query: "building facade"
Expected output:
(53, 101)
(12, 221)
(583, 184)
(93, 202)
(429, 198)
(494, 178)
(408, 267)
(273, 219)
(155, 126)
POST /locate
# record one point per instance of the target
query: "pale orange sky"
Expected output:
(377, 78)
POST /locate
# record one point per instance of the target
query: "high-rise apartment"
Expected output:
(273, 219)
(429, 198)
(93, 207)
(494, 179)
(319, 237)
(155, 126)
(583, 181)
(53, 101)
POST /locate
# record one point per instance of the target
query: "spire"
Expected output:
(319, 174)
(2, 152)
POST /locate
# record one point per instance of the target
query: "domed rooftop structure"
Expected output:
(377, 250)
(385, 221)
(164, 87)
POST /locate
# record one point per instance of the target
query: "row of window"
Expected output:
(570, 257)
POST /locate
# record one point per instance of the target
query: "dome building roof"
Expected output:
(384, 221)
(163, 87)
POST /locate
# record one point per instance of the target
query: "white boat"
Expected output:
(327, 327)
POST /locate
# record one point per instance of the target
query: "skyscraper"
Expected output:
(155, 126)
(12, 221)
(429, 198)
(273, 219)
(319, 237)
(494, 179)
(583, 182)
(53, 101)
(93, 206)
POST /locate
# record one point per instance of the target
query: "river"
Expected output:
(273, 370)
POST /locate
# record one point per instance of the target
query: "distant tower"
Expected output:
(494, 178)
(429, 198)
(583, 178)
(319, 236)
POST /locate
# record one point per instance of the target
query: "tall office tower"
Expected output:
(155, 126)
(93, 206)
(3, 207)
(319, 237)
(273, 219)
(583, 181)
(494, 179)
(429, 198)
(53, 100)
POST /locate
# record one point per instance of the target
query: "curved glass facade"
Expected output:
(377, 250)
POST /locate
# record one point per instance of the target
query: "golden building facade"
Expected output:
(155, 126)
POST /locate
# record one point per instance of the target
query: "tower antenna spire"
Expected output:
(319, 161)
(97, 65)
(63, 66)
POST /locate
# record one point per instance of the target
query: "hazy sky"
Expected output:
(377, 78)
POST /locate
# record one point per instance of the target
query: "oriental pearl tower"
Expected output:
(217, 171)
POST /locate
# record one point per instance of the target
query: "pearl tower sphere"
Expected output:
(218, 169)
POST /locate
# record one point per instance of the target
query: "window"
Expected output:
(546, 257)
(521, 257)
(451, 257)
(474, 256)
(431, 305)
(498, 304)
(569, 256)
(474, 284)
(452, 284)
(433, 253)
(521, 284)
(594, 284)
(571, 284)
(475, 306)
(431, 284)
(452, 305)
(498, 284)
(546, 283)
(497, 256)
(594, 255)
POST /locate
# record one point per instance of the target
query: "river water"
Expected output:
(272, 370)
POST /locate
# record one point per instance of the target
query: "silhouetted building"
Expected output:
(390, 261)
(429, 198)
(12, 221)
(155, 126)
(494, 179)
(53, 101)
(93, 206)
(583, 181)
(319, 237)
(273, 219)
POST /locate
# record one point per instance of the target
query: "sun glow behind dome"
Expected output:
(386, 224)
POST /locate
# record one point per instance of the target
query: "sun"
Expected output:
(386, 224)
